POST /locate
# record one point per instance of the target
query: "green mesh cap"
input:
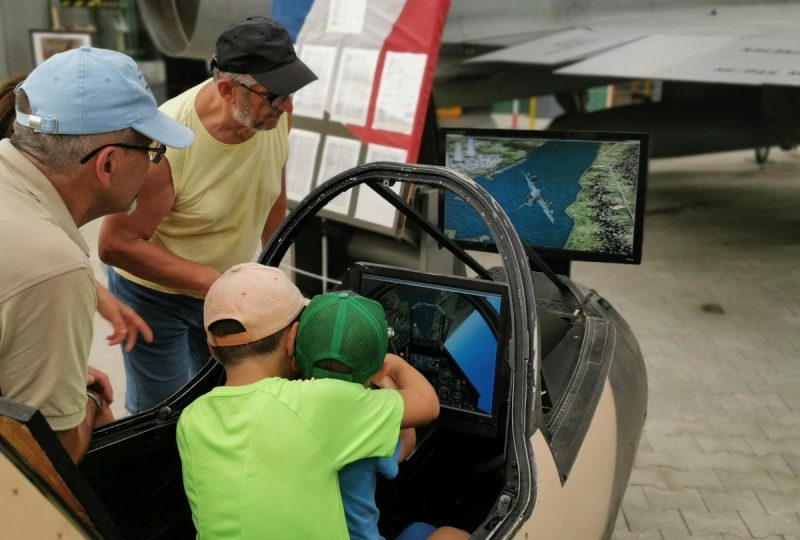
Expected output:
(344, 327)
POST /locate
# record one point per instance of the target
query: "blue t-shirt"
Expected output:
(357, 483)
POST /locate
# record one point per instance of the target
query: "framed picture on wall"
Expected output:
(46, 43)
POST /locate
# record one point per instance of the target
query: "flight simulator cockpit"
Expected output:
(449, 329)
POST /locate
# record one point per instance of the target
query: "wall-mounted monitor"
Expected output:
(569, 195)
(450, 329)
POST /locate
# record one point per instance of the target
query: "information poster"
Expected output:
(346, 16)
(303, 148)
(351, 96)
(375, 62)
(311, 100)
(338, 155)
(398, 94)
(371, 206)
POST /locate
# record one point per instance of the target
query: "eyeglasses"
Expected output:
(273, 99)
(155, 152)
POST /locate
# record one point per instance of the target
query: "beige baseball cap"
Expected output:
(261, 298)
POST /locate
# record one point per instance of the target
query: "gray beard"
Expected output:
(244, 115)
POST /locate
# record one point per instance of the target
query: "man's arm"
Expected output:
(125, 322)
(49, 372)
(124, 239)
(276, 214)
(76, 440)
(420, 404)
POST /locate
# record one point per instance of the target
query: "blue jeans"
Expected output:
(416, 531)
(155, 371)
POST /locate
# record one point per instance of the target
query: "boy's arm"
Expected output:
(408, 436)
(420, 404)
(408, 440)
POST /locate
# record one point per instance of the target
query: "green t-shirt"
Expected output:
(261, 461)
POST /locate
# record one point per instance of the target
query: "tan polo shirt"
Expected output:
(47, 295)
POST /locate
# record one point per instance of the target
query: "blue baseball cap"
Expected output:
(88, 91)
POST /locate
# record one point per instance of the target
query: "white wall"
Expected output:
(17, 19)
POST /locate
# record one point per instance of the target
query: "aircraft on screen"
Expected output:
(535, 197)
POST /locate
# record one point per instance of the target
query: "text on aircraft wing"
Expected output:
(506, 23)
(715, 59)
(731, 42)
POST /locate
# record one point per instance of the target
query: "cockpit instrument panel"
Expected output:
(449, 329)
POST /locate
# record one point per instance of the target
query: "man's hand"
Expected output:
(98, 382)
(98, 397)
(103, 414)
(125, 322)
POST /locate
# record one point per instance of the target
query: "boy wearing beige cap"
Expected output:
(260, 455)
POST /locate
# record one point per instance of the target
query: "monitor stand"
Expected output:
(559, 266)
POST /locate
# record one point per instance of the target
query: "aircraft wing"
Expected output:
(735, 44)
(731, 67)
(531, 185)
(565, 46)
(716, 59)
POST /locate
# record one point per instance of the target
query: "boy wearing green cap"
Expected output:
(345, 336)
(260, 455)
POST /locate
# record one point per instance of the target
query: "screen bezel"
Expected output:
(594, 136)
(450, 418)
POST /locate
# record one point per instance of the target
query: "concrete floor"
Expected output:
(716, 308)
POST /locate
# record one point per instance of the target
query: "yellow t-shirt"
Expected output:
(223, 193)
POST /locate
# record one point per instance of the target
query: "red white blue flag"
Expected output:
(375, 60)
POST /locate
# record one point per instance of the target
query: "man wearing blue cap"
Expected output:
(87, 128)
(206, 208)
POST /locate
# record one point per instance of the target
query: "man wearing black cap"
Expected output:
(205, 209)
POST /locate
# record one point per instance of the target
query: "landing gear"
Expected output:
(762, 154)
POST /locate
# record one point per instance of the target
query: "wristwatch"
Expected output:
(98, 401)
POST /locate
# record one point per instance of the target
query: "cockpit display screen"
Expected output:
(449, 334)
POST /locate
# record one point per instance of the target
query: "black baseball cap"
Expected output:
(262, 48)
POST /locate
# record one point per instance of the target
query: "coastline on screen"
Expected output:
(569, 195)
